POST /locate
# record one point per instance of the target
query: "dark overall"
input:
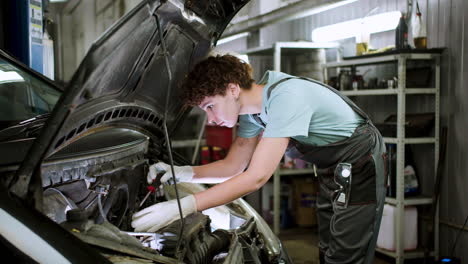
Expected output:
(349, 211)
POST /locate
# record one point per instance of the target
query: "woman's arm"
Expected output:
(233, 164)
(265, 159)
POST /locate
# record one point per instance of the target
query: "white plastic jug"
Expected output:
(386, 239)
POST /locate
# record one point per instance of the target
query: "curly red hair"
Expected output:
(211, 76)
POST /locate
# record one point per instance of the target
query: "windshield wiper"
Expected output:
(25, 128)
(36, 118)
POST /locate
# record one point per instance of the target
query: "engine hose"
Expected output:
(101, 211)
(201, 250)
(214, 244)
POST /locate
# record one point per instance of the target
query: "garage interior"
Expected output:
(351, 45)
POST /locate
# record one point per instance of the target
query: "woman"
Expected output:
(283, 113)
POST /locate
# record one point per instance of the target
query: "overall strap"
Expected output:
(258, 120)
(256, 117)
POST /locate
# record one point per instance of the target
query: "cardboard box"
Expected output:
(305, 198)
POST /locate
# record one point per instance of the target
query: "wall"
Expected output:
(447, 23)
(79, 24)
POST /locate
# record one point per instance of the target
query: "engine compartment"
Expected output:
(94, 185)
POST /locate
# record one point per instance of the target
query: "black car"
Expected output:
(74, 160)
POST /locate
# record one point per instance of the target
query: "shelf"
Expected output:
(400, 59)
(389, 91)
(421, 140)
(296, 46)
(410, 254)
(295, 171)
(187, 143)
(381, 59)
(419, 200)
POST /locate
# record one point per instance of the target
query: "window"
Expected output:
(23, 95)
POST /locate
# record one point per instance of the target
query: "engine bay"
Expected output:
(94, 185)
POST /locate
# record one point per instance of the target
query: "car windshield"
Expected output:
(23, 95)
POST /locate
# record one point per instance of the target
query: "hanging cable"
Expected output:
(166, 133)
(458, 236)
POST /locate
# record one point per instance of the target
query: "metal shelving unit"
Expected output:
(389, 91)
(276, 191)
(401, 91)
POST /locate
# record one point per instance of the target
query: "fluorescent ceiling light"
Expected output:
(318, 10)
(233, 37)
(352, 28)
(10, 76)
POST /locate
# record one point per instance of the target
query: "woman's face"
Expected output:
(222, 110)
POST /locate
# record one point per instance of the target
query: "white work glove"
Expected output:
(182, 173)
(162, 214)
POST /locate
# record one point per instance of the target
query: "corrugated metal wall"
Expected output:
(447, 24)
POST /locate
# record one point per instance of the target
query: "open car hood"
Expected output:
(127, 74)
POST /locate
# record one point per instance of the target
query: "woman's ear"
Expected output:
(234, 90)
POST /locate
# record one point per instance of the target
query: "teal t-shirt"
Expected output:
(303, 110)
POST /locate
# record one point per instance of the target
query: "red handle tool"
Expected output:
(151, 189)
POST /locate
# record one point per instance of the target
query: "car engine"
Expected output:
(93, 186)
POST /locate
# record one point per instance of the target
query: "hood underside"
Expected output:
(129, 72)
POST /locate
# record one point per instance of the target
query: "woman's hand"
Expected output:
(182, 173)
(162, 214)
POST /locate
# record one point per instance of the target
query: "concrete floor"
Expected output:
(301, 245)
